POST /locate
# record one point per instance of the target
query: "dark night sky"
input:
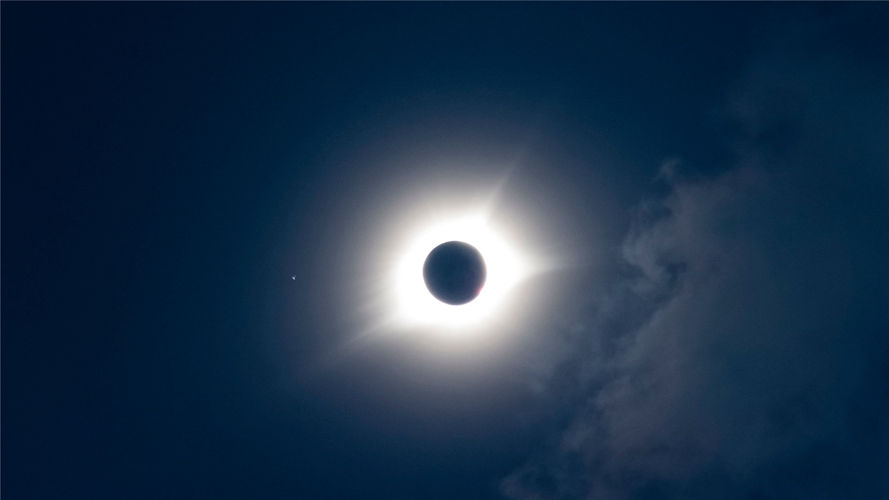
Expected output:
(718, 173)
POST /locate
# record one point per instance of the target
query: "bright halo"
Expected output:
(416, 306)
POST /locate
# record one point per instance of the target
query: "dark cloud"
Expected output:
(742, 353)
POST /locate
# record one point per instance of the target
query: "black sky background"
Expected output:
(719, 169)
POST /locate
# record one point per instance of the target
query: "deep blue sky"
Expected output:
(166, 169)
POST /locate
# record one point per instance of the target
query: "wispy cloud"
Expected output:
(743, 354)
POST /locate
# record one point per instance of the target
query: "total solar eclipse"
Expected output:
(454, 272)
(453, 276)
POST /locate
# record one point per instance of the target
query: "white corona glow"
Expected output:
(416, 306)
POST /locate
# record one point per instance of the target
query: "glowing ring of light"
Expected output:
(415, 305)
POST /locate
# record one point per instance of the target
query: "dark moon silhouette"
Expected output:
(454, 272)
